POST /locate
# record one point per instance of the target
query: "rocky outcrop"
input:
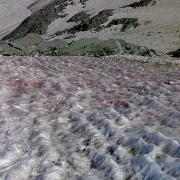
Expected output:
(126, 23)
(141, 3)
(86, 22)
(39, 21)
(96, 23)
(81, 16)
(175, 53)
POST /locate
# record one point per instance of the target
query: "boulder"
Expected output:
(175, 53)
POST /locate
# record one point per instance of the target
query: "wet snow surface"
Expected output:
(87, 119)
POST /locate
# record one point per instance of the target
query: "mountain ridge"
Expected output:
(126, 21)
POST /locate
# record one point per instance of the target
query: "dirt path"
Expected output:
(83, 118)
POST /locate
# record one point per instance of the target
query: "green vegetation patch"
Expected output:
(91, 47)
(80, 47)
(33, 44)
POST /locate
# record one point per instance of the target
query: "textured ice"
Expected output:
(85, 118)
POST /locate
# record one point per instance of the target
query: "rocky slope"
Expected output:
(88, 118)
(13, 12)
(150, 24)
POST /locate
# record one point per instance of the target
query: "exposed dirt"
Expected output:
(87, 118)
